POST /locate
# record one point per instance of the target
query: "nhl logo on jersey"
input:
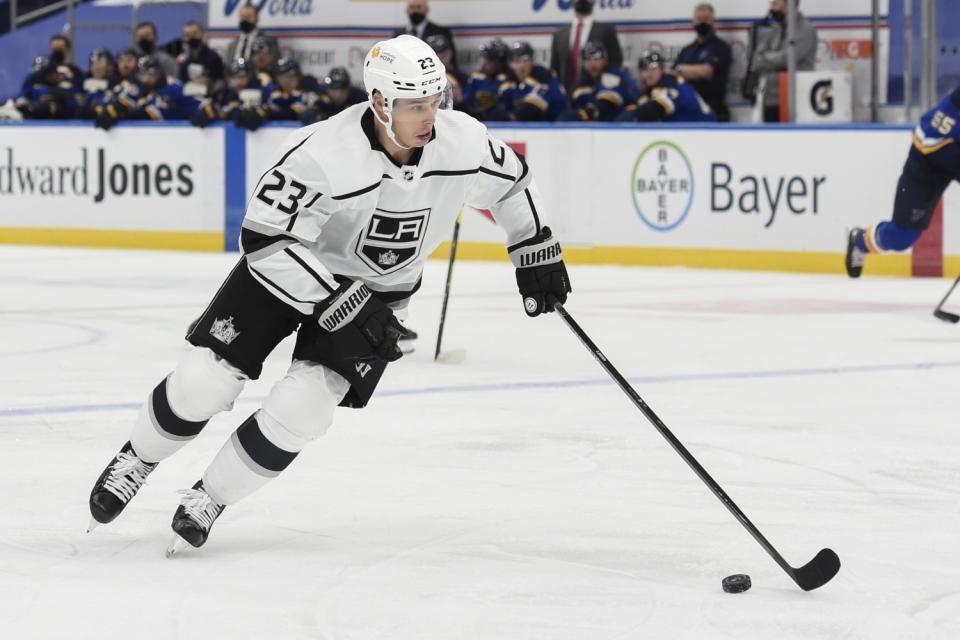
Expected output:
(224, 331)
(392, 239)
(408, 175)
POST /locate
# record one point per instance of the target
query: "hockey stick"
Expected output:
(815, 573)
(457, 355)
(946, 315)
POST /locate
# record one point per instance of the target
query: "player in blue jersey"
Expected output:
(603, 91)
(534, 93)
(163, 97)
(932, 164)
(666, 97)
(481, 96)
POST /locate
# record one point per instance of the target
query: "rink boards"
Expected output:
(744, 197)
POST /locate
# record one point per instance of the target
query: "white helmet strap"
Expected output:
(389, 123)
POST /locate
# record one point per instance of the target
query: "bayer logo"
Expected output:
(662, 185)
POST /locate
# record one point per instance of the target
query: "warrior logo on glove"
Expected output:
(541, 275)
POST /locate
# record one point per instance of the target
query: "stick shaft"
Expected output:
(446, 290)
(952, 287)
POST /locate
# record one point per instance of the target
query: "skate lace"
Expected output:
(200, 507)
(128, 474)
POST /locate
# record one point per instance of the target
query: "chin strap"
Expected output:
(389, 125)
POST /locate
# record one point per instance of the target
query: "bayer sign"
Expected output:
(662, 185)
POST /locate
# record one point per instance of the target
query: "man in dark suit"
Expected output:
(419, 26)
(568, 43)
(242, 47)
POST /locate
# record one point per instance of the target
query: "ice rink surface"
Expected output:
(518, 495)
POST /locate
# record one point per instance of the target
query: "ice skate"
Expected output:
(193, 519)
(855, 256)
(117, 485)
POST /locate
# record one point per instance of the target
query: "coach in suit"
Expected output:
(419, 26)
(242, 47)
(568, 43)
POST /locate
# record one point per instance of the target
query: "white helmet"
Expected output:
(402, 67)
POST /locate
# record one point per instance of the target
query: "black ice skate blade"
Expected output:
(946, 316)
(818, 571)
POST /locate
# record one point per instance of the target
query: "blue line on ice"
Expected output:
(551, 384)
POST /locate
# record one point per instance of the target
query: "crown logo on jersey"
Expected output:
(388, 258)
(224, 331)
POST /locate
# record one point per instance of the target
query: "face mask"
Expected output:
(583, 6)
(417, 18)
(56, 56)
(146, 45)
(246, 26)
(779, 16)
(195, 43)
(703, 29)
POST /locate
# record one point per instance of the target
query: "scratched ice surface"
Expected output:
(517, 495)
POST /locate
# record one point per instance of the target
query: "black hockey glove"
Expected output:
(365, 325)
(204, 115)
(541, 275)
(106, 116)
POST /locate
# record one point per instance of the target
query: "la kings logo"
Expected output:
(392, 239)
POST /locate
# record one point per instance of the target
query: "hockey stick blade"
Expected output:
(946, 316)
(818, 571)
(455, 356)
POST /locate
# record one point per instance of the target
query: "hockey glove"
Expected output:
(541, 275)
(106, 116)
(365, 325)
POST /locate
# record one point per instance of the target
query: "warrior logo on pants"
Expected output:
(392, 239)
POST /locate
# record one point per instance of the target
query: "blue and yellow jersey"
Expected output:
(606, 96)
(541, 89)
(166, 103)
(482, 92)
(940, 126)
(680, 101)
(286, 106)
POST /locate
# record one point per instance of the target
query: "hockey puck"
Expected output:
(737, 583)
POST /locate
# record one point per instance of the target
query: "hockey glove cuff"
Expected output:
(541, 275)
(353, 310)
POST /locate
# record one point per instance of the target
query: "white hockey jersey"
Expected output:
(335, 203)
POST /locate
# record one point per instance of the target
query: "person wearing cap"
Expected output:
(457, 80)
(334, 242)
(242, 47)
(286, 98)
(481, 98)
(419, 26)
(665, 96)
(533, 93)
(566, 48)
(705, 62)
(604, 91)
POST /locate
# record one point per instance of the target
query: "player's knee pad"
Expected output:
(203, 384)
(300, 406)
(890, 236)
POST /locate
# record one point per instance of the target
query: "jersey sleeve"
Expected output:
(286, 214)
(504, 185)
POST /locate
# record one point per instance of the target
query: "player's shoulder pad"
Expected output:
(609, 80)
(462, 140)
(337, 151)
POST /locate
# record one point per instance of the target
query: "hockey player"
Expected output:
(336, 94)
(481, 98)
(603, 92)
(163, 98)
(534, 93)
(97, 85)
(49, 92)
(456, 79)
(243, 91)
(334, 242)
(285, 101)
(666, 97)
(933, 162)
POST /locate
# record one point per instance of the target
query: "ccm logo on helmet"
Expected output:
(429, 82)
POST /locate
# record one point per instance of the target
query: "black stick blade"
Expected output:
(818, 571)
(946, 316)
